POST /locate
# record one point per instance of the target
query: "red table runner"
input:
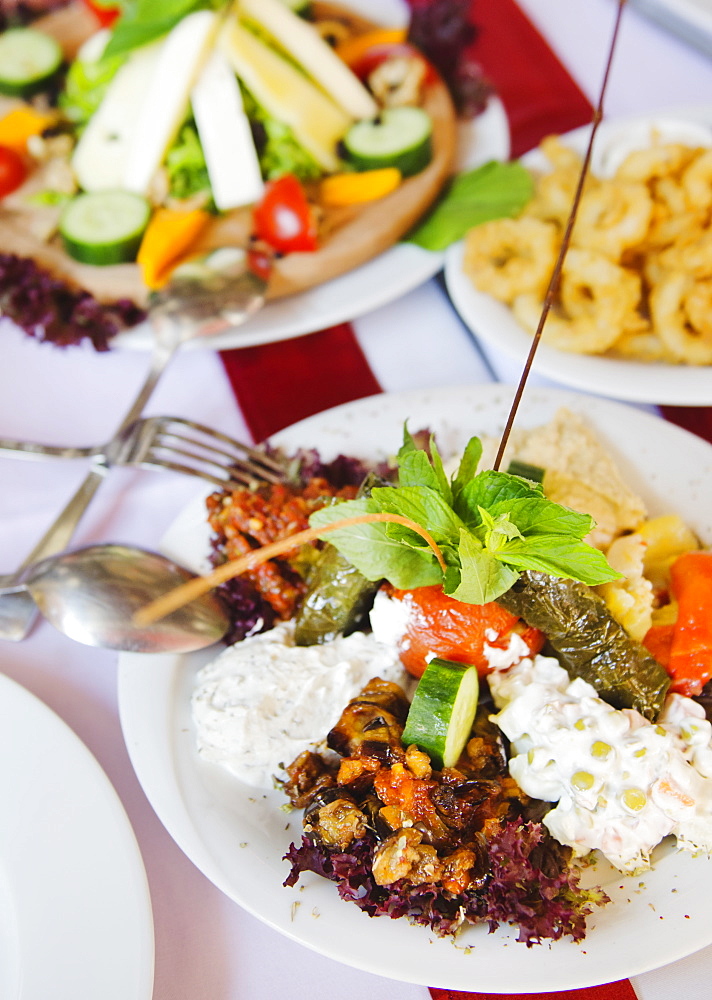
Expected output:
(277, 384)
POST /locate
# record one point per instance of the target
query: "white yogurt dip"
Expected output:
(264, 700)
(622, 784)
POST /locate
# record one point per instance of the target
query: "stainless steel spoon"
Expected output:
(92, 593)
(205, 296)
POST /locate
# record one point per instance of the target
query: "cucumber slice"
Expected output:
(104, 227)
(399, 137)
(526, 471)
(442, 711)
(28, 60)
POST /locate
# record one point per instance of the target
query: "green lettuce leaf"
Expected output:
(493, 191)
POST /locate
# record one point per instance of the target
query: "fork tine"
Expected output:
(211, 454)
(226, 481)
(194, 449)
(255, 454)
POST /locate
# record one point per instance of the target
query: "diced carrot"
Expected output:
(340, 190)
(690, 663)
(438, 625)
(168, 238)
(21, 124)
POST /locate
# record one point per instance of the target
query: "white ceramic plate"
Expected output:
(379, 281)
(690, 19)
(500, 334)
(237, 836)
(75, 913)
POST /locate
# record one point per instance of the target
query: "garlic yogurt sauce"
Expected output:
(263, 701)
(621, 783)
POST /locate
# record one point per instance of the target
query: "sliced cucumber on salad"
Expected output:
(399, 137)
(28, 61)
(443, 710)
(104, 227)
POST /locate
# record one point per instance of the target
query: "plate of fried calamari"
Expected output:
(199, 728)
(631, 316)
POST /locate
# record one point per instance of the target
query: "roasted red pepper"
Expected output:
(690, 663)
(438, 625)
(284, 218)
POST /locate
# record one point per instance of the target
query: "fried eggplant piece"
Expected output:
(371, 725)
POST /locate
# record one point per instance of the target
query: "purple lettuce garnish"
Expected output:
(530, 886)
(46, 308)
(443, 31)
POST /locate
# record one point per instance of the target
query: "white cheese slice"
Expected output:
(286, 94)
(225, 135)
(312, 53)
(101, 155)
(165, 101)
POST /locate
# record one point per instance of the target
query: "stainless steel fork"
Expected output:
(172, 443)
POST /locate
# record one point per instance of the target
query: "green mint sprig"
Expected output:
(489, 526)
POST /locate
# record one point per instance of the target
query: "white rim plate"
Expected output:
(493, 324)
(377, 282)
(75, 911)
(237, 835)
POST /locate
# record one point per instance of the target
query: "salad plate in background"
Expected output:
(381, 280)
(237, 836)
(501, 335)
(75, 911)
(354, 268)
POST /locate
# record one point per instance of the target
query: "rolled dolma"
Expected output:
(589, 642)
(339, 595)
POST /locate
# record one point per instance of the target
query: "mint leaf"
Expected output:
(535, 515)
(560, 556)
(492, 191)
(493, 491)
(442, 479)
(482, 577)
(488, 526)
(467, 468)
(422, 505)
(415, 469)
(373, 552)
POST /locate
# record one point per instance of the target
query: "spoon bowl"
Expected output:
(92, 593)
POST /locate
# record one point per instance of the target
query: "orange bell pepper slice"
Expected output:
(690, 663)
(20, 124)
(168, 239)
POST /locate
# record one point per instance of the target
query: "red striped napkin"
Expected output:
(277, 384)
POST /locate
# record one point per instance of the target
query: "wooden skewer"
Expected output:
(565, 243)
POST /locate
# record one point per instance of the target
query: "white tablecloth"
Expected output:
(206, 946)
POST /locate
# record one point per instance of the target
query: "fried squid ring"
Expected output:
(676, 302)
(507, 257)
(613, 217)
(645, 165)
(598, 301)
(697, 182)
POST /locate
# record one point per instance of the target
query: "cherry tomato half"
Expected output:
(12, 170)
(104, 13)
(283, 218)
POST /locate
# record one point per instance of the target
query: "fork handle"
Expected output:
(59, 533)
(33, 450)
